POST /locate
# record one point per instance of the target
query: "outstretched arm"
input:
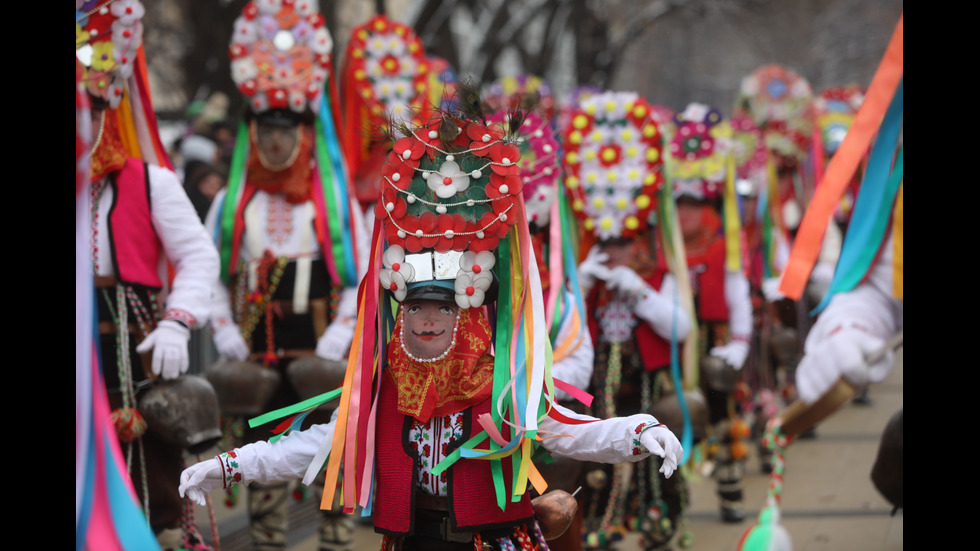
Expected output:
(613, 440)
(286, 459)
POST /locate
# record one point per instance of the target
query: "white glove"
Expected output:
(169, 344)
(334, 344)
(200, 479)
(593, 268)
(624, 280)
(661, 441)
(770, 289)
(230, 344)
(734, 353)
(843, 354)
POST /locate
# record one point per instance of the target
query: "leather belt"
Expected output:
(109, 328)
(105, 281)
(283, 353)
(431, 502)
(432, 520)
(316, 305)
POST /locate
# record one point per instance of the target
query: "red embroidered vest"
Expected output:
(472, 501)
(135, 247)
(708, 283)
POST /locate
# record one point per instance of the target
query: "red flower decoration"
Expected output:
(398, 171)
(640, 112)
(429, 135)
(506, 158)
(507, 209)
(610, 155)
(456, 224)
(482, 137)
(504, 184)
(493, 232)
(409, 148)
(391, 204)
(419, 232)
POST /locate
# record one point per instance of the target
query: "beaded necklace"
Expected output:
(128, 390)
(259, 303)
(97, 190)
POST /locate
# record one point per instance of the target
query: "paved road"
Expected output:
(828, 502)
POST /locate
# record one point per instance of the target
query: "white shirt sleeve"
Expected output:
(221, 313)
(185, 243)
(613, 440)
(286, 459)
(575, 368)
(660, 310)
(739, 304)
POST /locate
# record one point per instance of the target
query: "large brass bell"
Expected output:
(668, 411)
(312, 376)
(182, 412)
(784, 342)
(555, 511)
(887, 473)
(717, 374)
(243, 388)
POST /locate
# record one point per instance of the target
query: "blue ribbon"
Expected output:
(873, 206)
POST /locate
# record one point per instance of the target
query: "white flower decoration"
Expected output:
(471, 290)
(448, 180)
(245, 32)
(322, 42)
(397, 274)
(538, 206)
(128, 12)
(268, 6)
(478, 264)
(243, 69)
(305, 8)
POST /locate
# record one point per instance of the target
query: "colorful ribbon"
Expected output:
(873, 208)
(843, 164)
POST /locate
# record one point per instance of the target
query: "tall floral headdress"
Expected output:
(779, 100)
(701, 157)
(109, 44)
(385, 76)
(834, 110)
(613, 162)
(280, 55)
(281, 60)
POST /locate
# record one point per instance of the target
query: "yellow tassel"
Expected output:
(898, 270)
(733, 226)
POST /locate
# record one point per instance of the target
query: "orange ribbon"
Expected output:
(842, 167)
